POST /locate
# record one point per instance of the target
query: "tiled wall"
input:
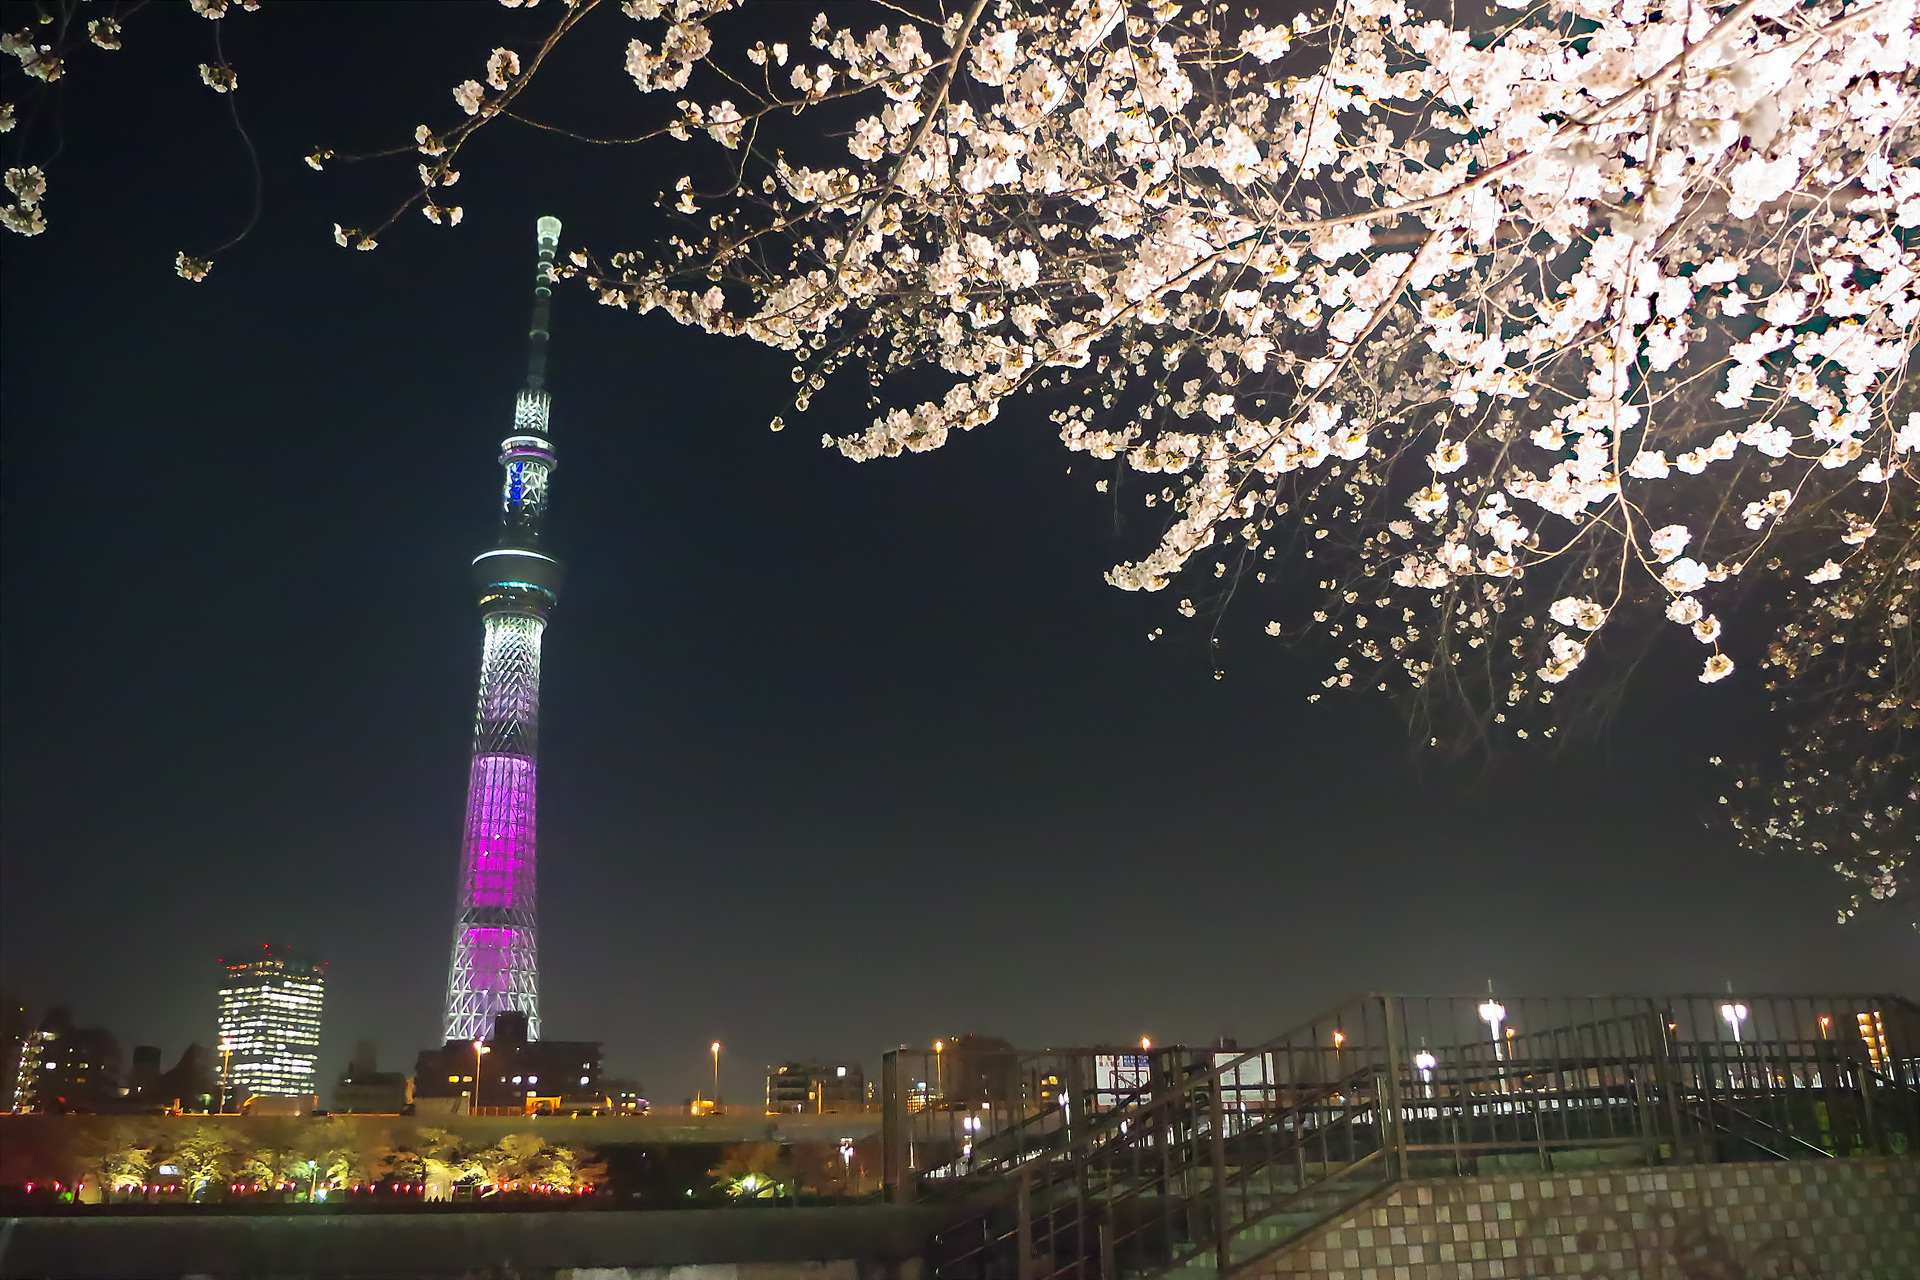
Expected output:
(1793, 1220)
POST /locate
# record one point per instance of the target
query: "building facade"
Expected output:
(625, 1097)
(66, 1069)
(495, 967)
(270, 1006)
(509, 1072)
(814, 1088)
(364, 1089)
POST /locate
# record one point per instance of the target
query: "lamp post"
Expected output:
(1735, 1014)
(479, 1048)
(715, 1050)
(1493, 1013)
(1424, 1062)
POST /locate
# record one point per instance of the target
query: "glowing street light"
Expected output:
(478, 1049)
(714, 1048)
(1735, 1014)
(1493, 1013)
(1424, 1062)
(1146, 1043)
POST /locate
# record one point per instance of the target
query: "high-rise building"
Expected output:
(495, 966)
(270, 1025)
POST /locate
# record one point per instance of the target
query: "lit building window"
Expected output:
(269, 1022)
(1874, 1031)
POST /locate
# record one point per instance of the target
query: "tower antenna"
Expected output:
(538, 334)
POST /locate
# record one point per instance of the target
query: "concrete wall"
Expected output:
(1804, 1219)
(876, 1242)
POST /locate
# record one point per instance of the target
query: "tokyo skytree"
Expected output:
(496, 964)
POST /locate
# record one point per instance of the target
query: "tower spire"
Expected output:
(495, 967)
(548, 231)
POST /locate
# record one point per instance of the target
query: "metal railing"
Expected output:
(1106, 1162)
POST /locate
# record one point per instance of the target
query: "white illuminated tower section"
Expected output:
(496, 964)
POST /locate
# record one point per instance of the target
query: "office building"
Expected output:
(270, 1004)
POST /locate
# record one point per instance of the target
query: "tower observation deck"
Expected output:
(495, 966)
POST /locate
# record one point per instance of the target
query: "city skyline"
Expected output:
(838, 756)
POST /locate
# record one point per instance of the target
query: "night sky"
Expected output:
(834, 756)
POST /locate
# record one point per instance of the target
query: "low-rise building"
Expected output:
(510, 1073)
(64, 1068)
(625, 1097)
(814, 1088)
(364, 1089)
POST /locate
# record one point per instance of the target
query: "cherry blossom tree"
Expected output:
(55, 33)
(1548, 333)
(1533, 330)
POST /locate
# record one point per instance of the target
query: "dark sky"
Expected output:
(835, 756)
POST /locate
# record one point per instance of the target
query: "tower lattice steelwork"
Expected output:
(495, 938)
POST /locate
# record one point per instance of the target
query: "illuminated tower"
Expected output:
(495, 942)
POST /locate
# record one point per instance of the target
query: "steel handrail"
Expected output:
(1350, 1114)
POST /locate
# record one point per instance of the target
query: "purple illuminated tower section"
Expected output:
(496, 965)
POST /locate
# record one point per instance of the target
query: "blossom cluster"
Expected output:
(1528, 329)
(44, 57)
(1518, 332)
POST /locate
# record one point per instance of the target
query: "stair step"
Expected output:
(1198, 1269)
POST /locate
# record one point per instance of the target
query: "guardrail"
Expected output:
(1101, 1162)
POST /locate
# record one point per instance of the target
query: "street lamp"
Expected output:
(1735, 1014)
(1493, 1013)
(715, 1049)
(1424, 1062)
(478, 1049)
